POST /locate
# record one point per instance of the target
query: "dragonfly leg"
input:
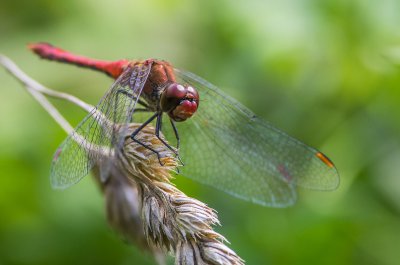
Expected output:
(158, 130)
(129, 95)
(151, 149)
(141, 110)
(178, 140)
(142, 144)
(176, 133)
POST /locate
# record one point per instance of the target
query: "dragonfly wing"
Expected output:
(226, 146)
(95, 138)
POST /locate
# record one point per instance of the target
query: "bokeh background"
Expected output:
(326, 72)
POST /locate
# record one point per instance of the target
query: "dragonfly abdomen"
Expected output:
(49, 52)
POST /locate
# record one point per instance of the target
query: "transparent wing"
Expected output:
(226, 146)
(95, 137)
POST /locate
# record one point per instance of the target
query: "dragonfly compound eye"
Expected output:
(180, 102)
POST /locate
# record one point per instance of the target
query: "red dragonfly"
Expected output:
(223, 143)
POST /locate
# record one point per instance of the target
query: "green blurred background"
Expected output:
(326, 72)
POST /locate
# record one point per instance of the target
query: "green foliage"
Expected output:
(324, 71)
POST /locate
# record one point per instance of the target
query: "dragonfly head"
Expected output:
(180, 102)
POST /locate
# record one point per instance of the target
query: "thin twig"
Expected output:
(31, 84)
(38, 91)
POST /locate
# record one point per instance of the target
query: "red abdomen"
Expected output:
(48, 51)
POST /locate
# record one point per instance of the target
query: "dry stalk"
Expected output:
(141, 202)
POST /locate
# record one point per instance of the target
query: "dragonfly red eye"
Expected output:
(180, 102)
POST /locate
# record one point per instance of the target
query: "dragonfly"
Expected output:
(224, 144)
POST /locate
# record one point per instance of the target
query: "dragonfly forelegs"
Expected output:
(157, 115)
(178, 140)
(158, 130)
(142, 144)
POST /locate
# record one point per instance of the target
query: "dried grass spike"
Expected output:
(172, 220)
